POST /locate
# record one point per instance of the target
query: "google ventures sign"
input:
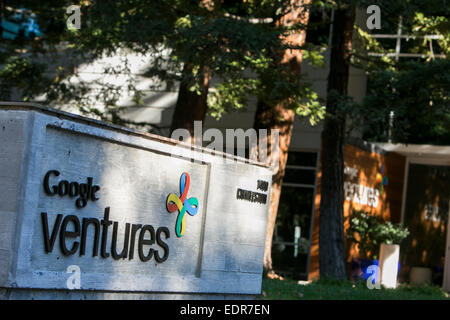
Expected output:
(363, 194)
(122, 211)
(146, 234)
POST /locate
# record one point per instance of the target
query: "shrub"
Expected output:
(368, 232)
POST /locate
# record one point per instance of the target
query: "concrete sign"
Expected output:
(90, 206)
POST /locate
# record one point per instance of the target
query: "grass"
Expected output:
(275, 289)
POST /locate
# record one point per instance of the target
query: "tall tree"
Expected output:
(190, 43)
(331, 221)
(272, 114)
(267, 27)
(339, 108)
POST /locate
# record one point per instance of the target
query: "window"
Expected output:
(290, 246)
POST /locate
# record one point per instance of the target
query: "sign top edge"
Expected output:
(32, 106)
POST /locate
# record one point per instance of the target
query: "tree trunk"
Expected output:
(190, 105)
(280, 118)
(331, 220)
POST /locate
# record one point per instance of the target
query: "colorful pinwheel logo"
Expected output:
(382, 180)
(182, 204)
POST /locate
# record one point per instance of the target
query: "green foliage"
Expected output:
(418, 94)
(368, 232)
(230, 94)
(415, 90)
(362, 231)
(436, 25)
(418, 19)
(389, 233)
(21, 73)
(182, 37)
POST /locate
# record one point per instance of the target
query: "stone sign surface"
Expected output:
(130, 211)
